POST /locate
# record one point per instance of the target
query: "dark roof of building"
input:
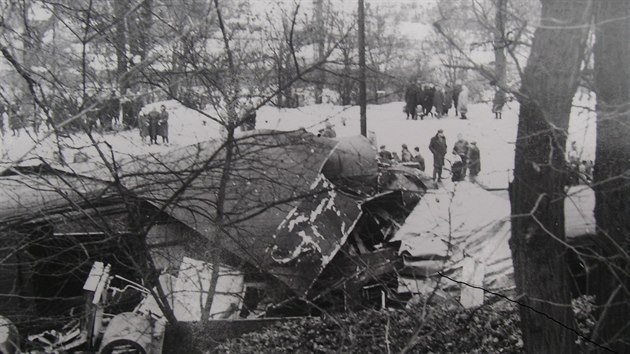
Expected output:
(26, 198)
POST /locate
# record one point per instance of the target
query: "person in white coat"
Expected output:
(462, 102)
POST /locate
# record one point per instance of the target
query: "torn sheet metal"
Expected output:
(188, 292)
(446, 231)
(322, 223)
(401, 177)
(9, 337)
(354, 271)
(191, 290)
(132, 332)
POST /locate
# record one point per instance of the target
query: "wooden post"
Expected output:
(362, 89)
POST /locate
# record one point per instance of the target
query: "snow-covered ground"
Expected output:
(495, 138)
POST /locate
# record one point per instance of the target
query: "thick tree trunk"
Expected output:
(549, 84)
(612, 185)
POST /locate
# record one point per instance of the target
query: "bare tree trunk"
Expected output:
(500, 63)
(537, 193)
(231, 97)
(120, 42)
(612, 185)
(318, 5)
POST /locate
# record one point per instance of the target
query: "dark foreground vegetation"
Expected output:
(420, 328)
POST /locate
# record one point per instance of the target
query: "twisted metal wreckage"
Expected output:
(309, 223)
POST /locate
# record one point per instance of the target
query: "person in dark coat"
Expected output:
(456, 91)
(113, 111)
(427, 101)
(461, 149)
(15, 120)
(448, 99)
(250, 120)
(438, 148)
(457, 168)
(143, 126)
(498, 101)
(154, 119)
(474, 161)
(163, 124)
(411, 101)
(438, 101)
(418, 158)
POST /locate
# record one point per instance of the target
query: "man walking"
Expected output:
(438, 148)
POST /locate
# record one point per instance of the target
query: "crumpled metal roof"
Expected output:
(281, 213)
(27, 197)
(322, 223)
(275, 176)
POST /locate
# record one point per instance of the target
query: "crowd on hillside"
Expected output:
(436, 100)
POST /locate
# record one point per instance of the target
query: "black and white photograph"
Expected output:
(314, 176)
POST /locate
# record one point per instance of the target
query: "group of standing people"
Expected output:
(154, 124)
(465, 157)
(442, 98)
(580, 171)
(19, 117)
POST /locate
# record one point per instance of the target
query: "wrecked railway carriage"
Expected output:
(302, 218)
(307, 224)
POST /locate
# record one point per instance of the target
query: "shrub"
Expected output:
(489, 329)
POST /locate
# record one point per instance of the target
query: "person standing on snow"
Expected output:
(163, 124)
(438, 101)
(411, 101)
(456, 91)
(461, 149)
(438, 148)
(474, 161)
(573, 157)
(154, 119)
(462, 102)
(143, 126)
(498, 101)
(448, 99)
(457, 168)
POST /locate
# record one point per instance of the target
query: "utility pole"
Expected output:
(318, 5)
(362, 93)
